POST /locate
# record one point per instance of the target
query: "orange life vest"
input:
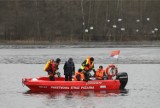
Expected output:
(48, 66)
(99, 73)
(81, 76)
(90, 65)
(108, 69)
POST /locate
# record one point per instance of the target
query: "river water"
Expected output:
(141, 64)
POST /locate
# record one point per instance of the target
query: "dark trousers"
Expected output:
(86, 75)
(68, 77)
(51, 75)
(52, 78)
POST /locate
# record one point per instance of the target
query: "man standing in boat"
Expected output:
(87, 66)
(69, 69)
(51, 67)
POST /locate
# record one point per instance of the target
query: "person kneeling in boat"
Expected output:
(87, 66)
(111, 71)
(100, 74)
(79, 76)
(51, 67)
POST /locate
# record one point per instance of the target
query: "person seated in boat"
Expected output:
(69, 69)
(100, 73)
(111, 71)
(79, 76)
(51, 67)
(87, 66)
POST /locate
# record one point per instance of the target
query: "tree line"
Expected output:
(79, 20)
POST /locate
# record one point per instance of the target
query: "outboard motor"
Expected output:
(123, 78)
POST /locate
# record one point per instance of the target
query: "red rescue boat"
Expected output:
(42, 84)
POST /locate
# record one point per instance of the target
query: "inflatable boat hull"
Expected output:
(44, 85)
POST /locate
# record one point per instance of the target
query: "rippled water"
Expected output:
(145, 55)
(142, 90)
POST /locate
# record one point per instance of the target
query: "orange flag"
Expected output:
(115, 53)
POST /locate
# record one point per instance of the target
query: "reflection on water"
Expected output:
(85, 93)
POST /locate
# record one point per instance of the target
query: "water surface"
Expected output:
(141, 64)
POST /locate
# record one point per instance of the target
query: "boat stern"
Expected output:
(123, 78)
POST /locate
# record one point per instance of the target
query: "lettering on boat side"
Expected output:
(42, 86)
(59, 87)
(75, 87)
(72, 87)
(103, 86)
(87, 87)
(93, 82)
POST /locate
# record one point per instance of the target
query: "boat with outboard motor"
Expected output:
(43, 84)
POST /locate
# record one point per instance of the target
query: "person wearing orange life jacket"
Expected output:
(79, 76)
(100, 73)
(111, 71)
(51, 67)
(87, 66)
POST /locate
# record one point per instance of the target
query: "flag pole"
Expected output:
(115, 54)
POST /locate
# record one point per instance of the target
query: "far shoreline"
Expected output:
(47, 44)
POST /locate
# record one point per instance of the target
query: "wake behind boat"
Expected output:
(43, 84)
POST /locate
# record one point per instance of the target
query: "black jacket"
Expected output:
(69, 68)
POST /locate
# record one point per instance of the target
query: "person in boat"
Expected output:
(87, 66)
(69, 69)
(79, 76)
(51, 67)
(100, 73)
(111, 71)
